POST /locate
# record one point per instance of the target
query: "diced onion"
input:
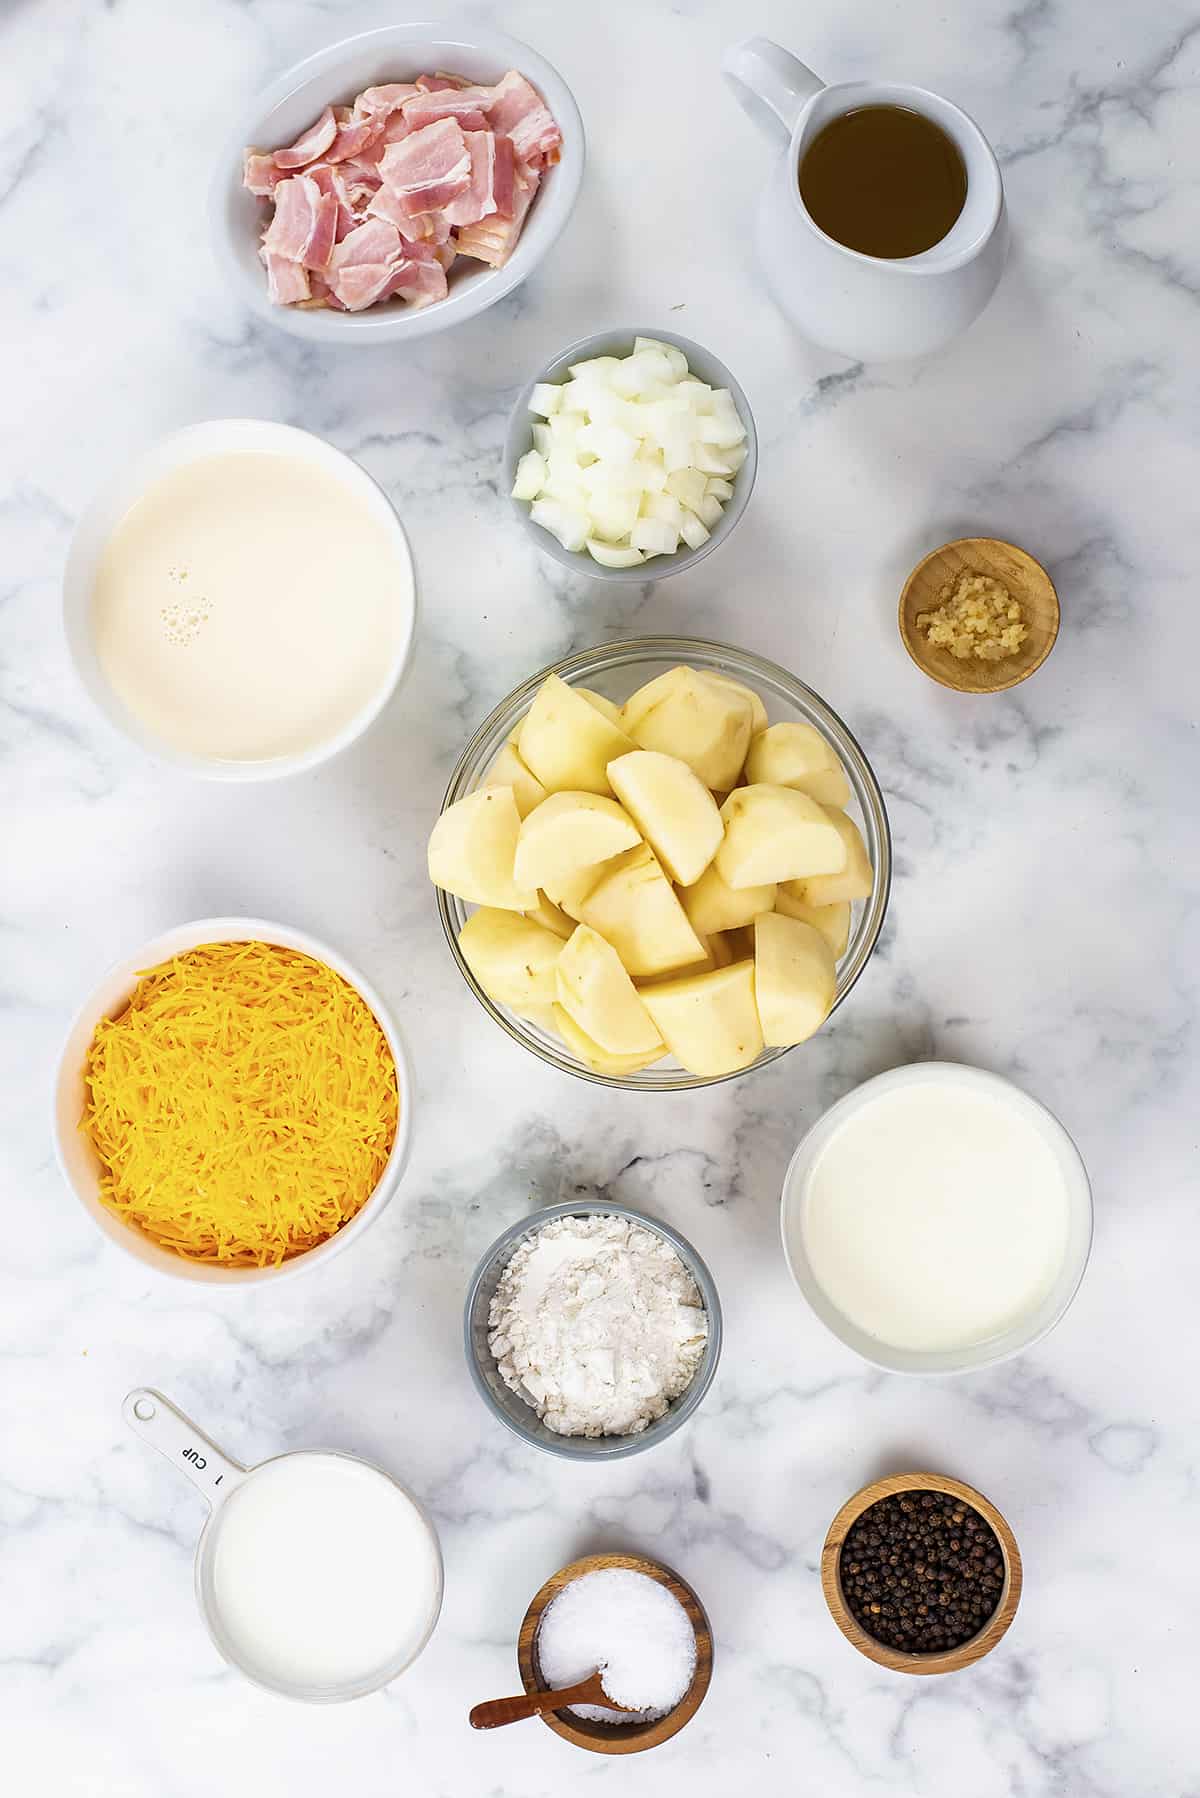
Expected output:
(631, 456)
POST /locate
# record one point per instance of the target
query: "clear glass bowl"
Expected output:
(616, 670)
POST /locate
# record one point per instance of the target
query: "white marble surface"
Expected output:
(1042, 921)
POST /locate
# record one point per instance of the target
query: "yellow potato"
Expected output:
(633, 906)
(551, 917)
(568, 894)
(853, 880)
(511, 957)
(472, 850)
(674, 811)
(795, 979)
(595, 990)
(758, 711)
(567, 833)
(567, 742)
(596, 1058)
(543, 1016)
(712, 906)
(508, 770)
(708, 1021)
(776, 833)
(647, 697)
(608, 708)
(717, 954)
(797, 755)
(704, 723)
(833, 921)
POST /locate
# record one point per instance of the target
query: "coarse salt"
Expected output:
(631, 1628)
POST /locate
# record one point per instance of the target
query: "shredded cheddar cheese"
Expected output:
(243, 1105)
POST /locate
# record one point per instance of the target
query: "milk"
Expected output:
(324, 1573)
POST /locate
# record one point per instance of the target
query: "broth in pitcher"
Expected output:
(883, 180)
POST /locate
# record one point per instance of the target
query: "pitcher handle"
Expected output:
(165, 1428)
(771, 85)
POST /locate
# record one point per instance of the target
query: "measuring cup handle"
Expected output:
(156, 1420)
(771, 85)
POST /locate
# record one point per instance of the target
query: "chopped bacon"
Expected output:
(260, 172)
(355, 136)
(503, 176)
(494, 239)
(304, 224)
(425, 107)
(287, 282)
(518, 111)
(314, 142)
(480, 197)
(386, 99)
(419, 280)
(429, 84)
(429, 168)
(419, 227)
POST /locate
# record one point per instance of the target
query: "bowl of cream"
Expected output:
(937, 1219)
(240, 601)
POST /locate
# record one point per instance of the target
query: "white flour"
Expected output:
(598, 1325)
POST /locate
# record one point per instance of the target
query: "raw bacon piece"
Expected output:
(493, 239)
(315, 141)
(260, 172)
(518, 111)
(376, 241)
(429, 84)
(425, 107)
(419, 227)
(429, 168)
(503, 176)
(355, 136)
(419, 280)
(386, 99)
(304, 224)
(361, 284)
(287, 282)
(480, 198)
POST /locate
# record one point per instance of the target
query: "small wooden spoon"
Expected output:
(498, 1711)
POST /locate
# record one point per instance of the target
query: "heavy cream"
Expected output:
(936, 1216)
(249, 605)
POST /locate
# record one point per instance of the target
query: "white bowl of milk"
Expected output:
(240, 601)
(937, 1219)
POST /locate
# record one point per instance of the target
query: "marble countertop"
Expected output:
(1041, 921)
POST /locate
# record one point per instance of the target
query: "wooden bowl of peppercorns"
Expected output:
(921, 1573)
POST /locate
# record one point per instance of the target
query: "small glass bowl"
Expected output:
(616, 670)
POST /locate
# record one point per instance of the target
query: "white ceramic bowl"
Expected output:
(110, 505)
(1029, 1329)
(78, 1160)
(335, 76)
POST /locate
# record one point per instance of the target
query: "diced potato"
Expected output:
(472, 850)
(567, 742)
(569, 894)
(646, 698)
(795, 979)
(595, 990)
(717, 954)
(776, 833)
(712, 906)
(674, 811)
(567, 833)
(741, 942)
(551, 917)
(797, 755)
(596, 1058)
(543, 1017)
(633, 906)
(854, 880)
(758, 711)
(512, 958)
(833, 921)
(608, 708)
(508, 770)
(704, 723)
(708, 1021)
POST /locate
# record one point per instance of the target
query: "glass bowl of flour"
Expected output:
(592, 1330)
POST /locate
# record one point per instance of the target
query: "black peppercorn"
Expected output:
(921, 1572)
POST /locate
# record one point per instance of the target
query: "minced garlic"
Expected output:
(978, 618)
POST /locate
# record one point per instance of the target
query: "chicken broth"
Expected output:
(883, 180)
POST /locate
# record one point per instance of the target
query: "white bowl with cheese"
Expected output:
(77, 1158)
(240, 601)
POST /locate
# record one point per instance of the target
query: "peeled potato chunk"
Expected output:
(596, 1058)
(704, 723)
(758, 711)
(854, 880)
(511, 957)
(565, 834)
(717, 954)
(567, 741)
(508, 770)
(776, 833)
(646, 698)
(833, 921)
(674, 811)
(551, 917)
(711, 905)
(608, 708)
(633, 906)
(797, 755)
(708, 1021)
(595, 990)
(472, 850)
(795, 979)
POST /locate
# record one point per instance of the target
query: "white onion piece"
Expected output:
(631, 455)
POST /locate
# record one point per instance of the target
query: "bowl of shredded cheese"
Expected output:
(233, 1102)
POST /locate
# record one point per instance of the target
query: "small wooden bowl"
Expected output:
(1025, 579)
(617, 1738)
(951, 1660)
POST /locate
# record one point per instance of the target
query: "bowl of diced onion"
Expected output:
(631, 455)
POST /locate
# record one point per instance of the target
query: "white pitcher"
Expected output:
(868, 307)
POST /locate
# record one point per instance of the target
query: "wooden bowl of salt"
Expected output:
(617, 1738)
